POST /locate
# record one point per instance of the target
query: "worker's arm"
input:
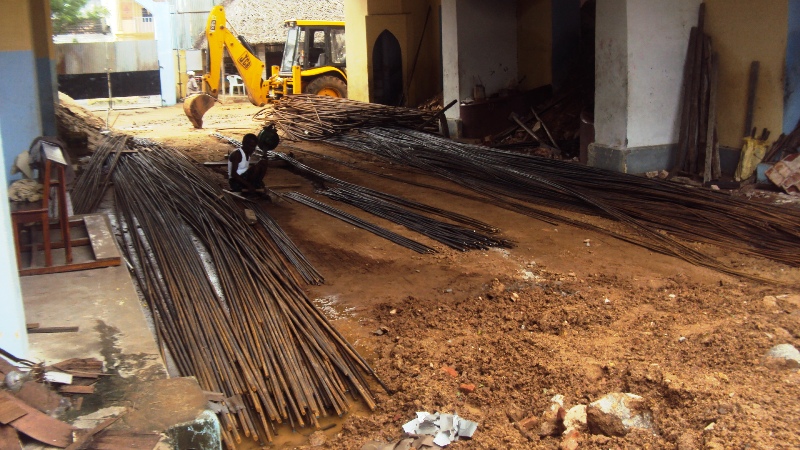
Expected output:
(235, 158)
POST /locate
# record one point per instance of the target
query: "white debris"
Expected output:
(446, 428)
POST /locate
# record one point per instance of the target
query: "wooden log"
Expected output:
(683, 139)
(695, 88)
(752, 84)
(712, 119)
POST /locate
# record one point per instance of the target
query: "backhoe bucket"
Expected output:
(196, 106)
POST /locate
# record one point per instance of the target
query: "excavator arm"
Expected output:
(248, 65)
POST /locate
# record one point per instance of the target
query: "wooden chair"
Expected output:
(52, 162)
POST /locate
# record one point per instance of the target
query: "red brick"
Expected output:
(450, 371)
(467, 388)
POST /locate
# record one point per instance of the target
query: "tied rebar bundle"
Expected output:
(662, 215)
(224, 303)
(312, 117)
(91, 185)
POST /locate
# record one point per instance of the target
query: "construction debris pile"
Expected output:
(312, 117)
(225, 302)
(662, 215)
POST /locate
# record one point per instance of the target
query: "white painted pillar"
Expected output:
(640, 50)
(451, 82)
(166, 57)
(13, 332)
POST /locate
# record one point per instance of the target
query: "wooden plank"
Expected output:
(70, 267)
(117, 439)
(712, 118)
(10, 412)
(103, 243)
(752, 84)
(38, 425)
(88, 437)
(695, 90)
(683, 139)
(9, 440)
(76, 389)
(54, 330)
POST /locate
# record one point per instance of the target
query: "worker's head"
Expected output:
(249, 142)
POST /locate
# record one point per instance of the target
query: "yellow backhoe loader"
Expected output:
(313, 62)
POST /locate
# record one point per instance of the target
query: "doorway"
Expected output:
(387, 70)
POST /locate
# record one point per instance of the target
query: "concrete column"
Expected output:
(166, 57)
(13, 332)
(21, 109)
(479, 46)
(640, 50)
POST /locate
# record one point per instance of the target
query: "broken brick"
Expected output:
(450, 371)
(467, 388)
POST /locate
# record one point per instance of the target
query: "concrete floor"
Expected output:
(105, 306)
(113, 328)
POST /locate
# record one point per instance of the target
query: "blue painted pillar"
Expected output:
(791, 108)
(28, 89)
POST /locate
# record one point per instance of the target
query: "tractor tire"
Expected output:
(327, 86)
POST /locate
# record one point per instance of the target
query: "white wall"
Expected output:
(478, 47)
(658, 38)
(13, 333)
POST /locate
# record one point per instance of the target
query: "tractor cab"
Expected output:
(312, 45)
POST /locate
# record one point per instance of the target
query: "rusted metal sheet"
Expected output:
(38, 425)
(9, 440)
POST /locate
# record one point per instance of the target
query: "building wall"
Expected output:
(27, 111)
(655, 68)
(355, 13)
(535, 43)
(566, 39)
(367, 19)
(743, 31)
(791, 113)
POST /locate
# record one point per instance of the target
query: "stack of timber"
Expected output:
(659, 215)
(698, 144)
(226, 306)
(311, 117)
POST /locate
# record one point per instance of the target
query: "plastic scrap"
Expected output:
(446, 428)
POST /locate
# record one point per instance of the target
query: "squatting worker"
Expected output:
(242, 175)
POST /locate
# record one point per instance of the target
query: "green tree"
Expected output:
(66, 13)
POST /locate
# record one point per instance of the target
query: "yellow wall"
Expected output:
(743, 31)
(16, 34)
(355, 12)
(535, 42)
(367, 19)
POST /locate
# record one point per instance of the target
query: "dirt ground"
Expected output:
(566, 311)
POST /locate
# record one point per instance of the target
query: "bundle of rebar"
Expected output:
(396, 209)
(360, 223)
(93, 182)
(657, 211)
(224, 304)
(312, 117)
